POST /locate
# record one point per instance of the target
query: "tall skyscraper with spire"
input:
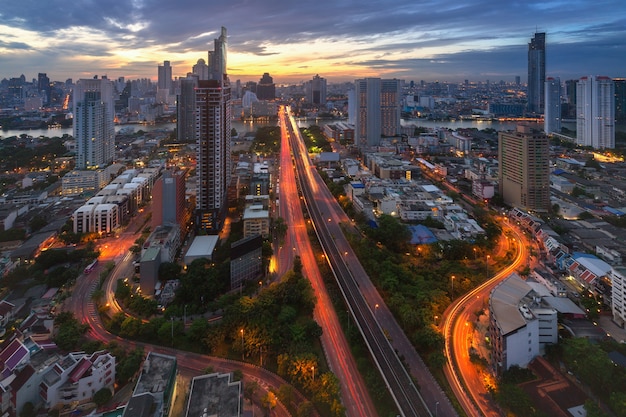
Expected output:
(536, 72)
(213, 125)
(552, 111)
(217, 57)
(595, 112)
(94, 129)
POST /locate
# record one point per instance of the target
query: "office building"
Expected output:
(164, 80)
(43, 86)
(94, 129)
(201, 70)
(168, 199)
(536, 73)
(524, 169)
(552, 111)
(213, 125)
(217, 57)
(266, 89)
(595, 112)
(315, 90)
(186, 110)
(377, 110)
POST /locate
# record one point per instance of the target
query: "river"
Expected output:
(245, 127)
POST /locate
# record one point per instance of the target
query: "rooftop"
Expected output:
(214, 395)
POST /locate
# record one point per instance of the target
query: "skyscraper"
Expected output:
(217, 57)
(377, 111)
(315, 90)
(186, 110)
(595, 112)
(164, 81)
(43, 85)
(536, 72)
(266, 89)
(620, 99)
(552, 116)
(524, 168)
(213, 125)
(201, 70)
(94, 130)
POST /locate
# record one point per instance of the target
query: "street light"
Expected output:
(313, 370)
(436, 408)
(452, 283)
(376, 311)
(241, 331)
(487, 265)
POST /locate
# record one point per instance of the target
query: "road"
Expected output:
(354, 394)
(382, 334)
(84, 309)
(469, 381)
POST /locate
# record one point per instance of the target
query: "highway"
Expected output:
(354, 394)
(383, 336)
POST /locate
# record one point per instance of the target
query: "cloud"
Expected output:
(408, 38)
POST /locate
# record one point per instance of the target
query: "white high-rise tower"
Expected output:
(94, 130)
(552, 111)
(595, 112)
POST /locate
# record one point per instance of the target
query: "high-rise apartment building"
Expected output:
(377, 110)
(524, 168)
(620, 99)
(570, 91)
(164, 81)
(213, 125)
(266, 89)
(536, 72)
(186, 110)
(595, 112)
(315, 90)
(94, 129)
(168, 199)
(552, 111)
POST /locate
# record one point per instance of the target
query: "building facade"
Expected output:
(536, 72)
(266, 89)
(552, 111)
(377, 110)
(213, 125)
(186, 110)
(595, 112)
(94, 130)
(315, 90)
(524, 168)
(168, 199)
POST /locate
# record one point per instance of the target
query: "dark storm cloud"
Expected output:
(491, 35)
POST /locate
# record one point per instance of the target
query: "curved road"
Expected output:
(467, 380)
(83, 308)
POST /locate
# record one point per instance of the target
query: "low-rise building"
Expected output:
(152, 396)
(520, 326)
(215, 395)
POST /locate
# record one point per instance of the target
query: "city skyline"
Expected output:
(443, 41)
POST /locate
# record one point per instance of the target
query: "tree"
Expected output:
(249, 389)
(102, 397)
(28, 410)
(269, 401)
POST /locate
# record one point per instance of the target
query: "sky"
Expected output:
(293, 40)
